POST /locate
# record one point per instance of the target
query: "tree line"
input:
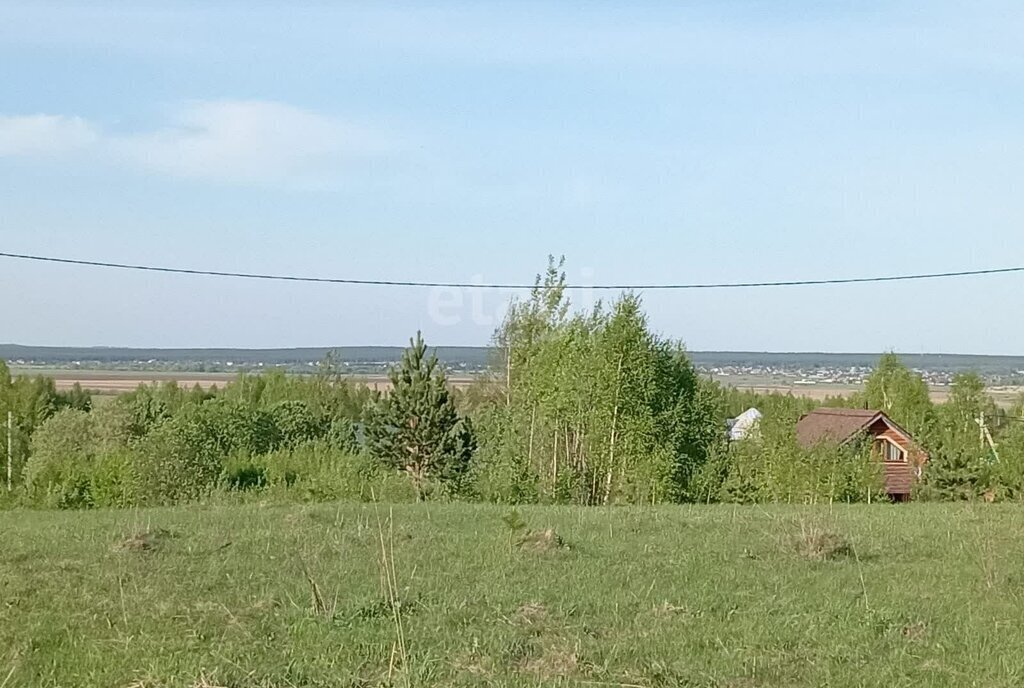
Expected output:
(579, 407)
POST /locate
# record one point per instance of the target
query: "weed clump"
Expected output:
(145, 541)
(818, 543)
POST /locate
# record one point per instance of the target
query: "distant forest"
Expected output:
(467, 358)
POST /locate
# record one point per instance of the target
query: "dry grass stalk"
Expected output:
(390, 583)
(317, 599)
(204, 682)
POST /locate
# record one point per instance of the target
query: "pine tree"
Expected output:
(416, 427)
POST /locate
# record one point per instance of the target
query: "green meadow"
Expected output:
(481, 595)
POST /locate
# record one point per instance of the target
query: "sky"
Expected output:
(647, 142)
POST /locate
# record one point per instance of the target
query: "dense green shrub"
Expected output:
(244, 473)
(962, 464)
(182, 458)
(317, 471)
(771, 466)
(1009, 469)
(500, 473)
(162, 444)
(113, 425)
(341, 434)
(31, 400)
(113, 480)
(58, 471)
(296, 423)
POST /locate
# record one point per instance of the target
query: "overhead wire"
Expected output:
(509, 286)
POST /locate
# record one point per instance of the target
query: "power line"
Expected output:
(469, 285)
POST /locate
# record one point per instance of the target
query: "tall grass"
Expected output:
(417, 595)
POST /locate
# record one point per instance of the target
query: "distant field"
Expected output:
(1003, 395)
(119, 381)
(709, 596)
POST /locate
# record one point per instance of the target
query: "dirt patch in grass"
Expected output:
(474, 664)
(546, 540)
(552, 663)
(530, 613)
(145, 541)
(667, 608)
(914, 631)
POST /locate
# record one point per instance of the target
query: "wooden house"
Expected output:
(902, 458)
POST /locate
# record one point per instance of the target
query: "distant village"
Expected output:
(818, 375)
(801, 369)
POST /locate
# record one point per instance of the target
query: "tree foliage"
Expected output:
(62, 453)
(594, 408)
(580, 406)
(415, 426)
(772, 467)
(961, 463)
(903, 395)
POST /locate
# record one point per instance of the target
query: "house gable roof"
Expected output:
(838, 425)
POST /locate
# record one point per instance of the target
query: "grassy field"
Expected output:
(109, 382)
(923, 595)
(112, 382)
(1002, 395)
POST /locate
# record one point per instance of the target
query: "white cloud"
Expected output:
(235, 142)
(251, 142)
(44, 135)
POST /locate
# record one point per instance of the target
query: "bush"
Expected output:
(181, 459)
(114, 425)
(341, 434)
(317, 471)
(956, 473)
(60, 461)
(238, 428)
(186, 457)
(499, 472)
(296, 423)
(113, 481)
(243, 474)
(775, 468)
(1010, 469)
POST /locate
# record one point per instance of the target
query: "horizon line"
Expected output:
(103, 347)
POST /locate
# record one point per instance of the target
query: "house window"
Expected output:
(891, 452)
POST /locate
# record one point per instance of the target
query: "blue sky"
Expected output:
(647, 142)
